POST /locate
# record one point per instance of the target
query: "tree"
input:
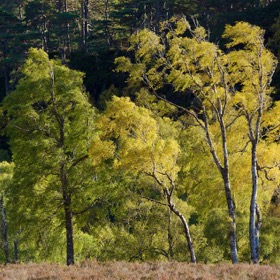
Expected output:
(145, 148)
(6, 175)
(193, 66)
(38, 17)
(219, 83)
(252, 68)
(50, 126)
(12, 44)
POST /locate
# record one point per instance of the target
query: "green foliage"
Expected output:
(50, 128)
(6, 175)
(131, 141)
(6, 181)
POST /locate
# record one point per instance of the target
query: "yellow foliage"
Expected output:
(243, 33)
(182, 26)
(146, 43)
(142, 144)
(6, 174)
(100, 150)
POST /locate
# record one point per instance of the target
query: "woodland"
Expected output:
(139, 131)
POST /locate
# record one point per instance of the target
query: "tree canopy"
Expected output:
(164, 147)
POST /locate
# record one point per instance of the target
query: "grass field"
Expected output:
(130, 271)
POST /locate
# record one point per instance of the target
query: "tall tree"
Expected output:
(197, 67)
(12, 44)
(50, 125)
(252, 68)
(193, 66)
(38, 15)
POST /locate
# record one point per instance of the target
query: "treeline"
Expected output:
(88, 35)
(174, 155)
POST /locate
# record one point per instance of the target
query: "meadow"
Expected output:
(131, 271)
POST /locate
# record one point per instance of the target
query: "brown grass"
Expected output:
(142, 271)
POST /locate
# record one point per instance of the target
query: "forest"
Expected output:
(140, 131)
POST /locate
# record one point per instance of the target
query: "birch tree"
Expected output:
(197, 67)
(223, 87)
(252, 68)
(142, 148)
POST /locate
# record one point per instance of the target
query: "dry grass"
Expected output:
(132, 271)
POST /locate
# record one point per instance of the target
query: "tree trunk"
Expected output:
(44, 32)
(254, 226)
(107, 30)
(16, 251)
(186, 231)
(64, 40)
(170, 238)
(5, 230)
(226, 178)
(224, 171)
(69, 229)
(67, 204)
(232, 223)
(185, 225)
(84, 26)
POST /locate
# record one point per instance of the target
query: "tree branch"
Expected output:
(77, 162)
(74, 213)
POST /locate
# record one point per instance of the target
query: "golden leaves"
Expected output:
(100, 150)
(139, 142)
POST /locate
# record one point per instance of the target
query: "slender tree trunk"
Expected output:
(186, 230)
(254, 226)
(44, 36)
(107, 30)
(224, 170)
(64, 40)
(232, 223)
(145, 17)
(68, 215)
(172, 207)
(84, 26)
(20, 10)
(230, 200)
(5, 230)
(170, 237)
